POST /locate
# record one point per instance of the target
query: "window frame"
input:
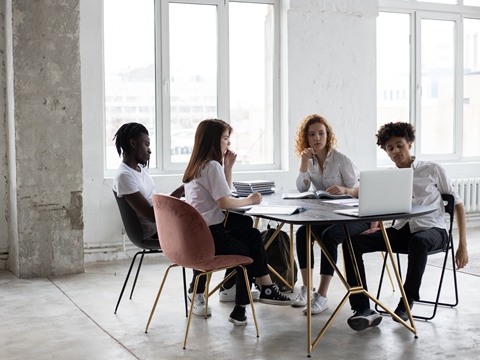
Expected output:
(162, 75)
(419, 10)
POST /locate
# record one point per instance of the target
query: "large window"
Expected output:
(428, 74)
(179, 62)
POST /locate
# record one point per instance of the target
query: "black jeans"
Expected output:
(331, 236)
(416, 245)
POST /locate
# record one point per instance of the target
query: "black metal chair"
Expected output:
(134, 231)
(449, 251)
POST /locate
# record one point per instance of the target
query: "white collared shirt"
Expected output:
(204, 191)
(129, 181)
(338, 170)
(430, 181)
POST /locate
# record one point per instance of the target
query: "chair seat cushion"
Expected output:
(220, 261)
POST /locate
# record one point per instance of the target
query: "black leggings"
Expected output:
(331, 236)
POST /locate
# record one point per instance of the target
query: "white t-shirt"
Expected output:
(430, 181)
(204, 191)
(338, 170)
(129, 181)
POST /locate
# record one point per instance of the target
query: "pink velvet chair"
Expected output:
(186, 241)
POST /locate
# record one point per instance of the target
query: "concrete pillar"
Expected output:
(44, 137)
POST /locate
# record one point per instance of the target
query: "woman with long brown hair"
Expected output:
(208, 181)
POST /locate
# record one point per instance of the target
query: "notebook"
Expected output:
(383, 192)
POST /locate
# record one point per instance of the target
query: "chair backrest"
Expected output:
(183, 233)
(132, 224)
(450, 210)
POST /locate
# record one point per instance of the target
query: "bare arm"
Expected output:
(461, 257)
(141, 205)
(227, 202)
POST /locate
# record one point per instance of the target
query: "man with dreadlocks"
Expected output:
(132, 179)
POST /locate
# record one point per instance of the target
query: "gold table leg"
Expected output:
(351, 290)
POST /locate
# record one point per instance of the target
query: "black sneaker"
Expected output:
(364, 319)
(238, 316)
(401, 311)
(271, 294)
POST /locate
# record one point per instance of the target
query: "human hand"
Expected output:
(373, 228)
(307, 154)
(337, 190)
(255, 198)
(461, 257)
(229, 158)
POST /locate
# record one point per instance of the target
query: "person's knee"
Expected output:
(417, 245)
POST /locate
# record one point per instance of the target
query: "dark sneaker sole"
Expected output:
(361, 323)
(298, 305)
(276, 302)
(238, 322)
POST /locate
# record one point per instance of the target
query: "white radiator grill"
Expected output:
(469, 191)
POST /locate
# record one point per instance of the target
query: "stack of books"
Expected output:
(245, 188)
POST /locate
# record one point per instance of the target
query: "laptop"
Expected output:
(383, 192)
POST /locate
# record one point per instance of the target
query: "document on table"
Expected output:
(274, 210)
(346, 202)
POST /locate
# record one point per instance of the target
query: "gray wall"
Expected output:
(43, 128)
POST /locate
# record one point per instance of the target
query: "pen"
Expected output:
(313, 159)
(251, 188)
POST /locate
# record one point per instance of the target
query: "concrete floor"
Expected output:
(71, 317)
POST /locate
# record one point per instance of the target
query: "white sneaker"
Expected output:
(199, 305)
(255, 293)
(228, 295)
(301, 299)
(319, 304)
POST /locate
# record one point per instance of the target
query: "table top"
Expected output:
(320, 212)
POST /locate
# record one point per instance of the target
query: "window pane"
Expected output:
(251, 81)
(471, 88)
(471, 2)
(193, 73)
(437, 80)
(393, 70)
(129, 71)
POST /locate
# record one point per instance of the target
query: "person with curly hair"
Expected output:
(416, 236)
(322, 167)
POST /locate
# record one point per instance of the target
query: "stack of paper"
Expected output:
(245, 188)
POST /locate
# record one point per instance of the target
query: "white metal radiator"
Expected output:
(469, 191)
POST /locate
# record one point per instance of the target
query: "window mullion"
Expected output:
(459, 87)
(223, 101)
(417, 119)
(163, 82)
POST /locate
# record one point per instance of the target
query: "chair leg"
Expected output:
(195, 286)
(185, 292)
(245, 275)
(136, 275)
(126, 279)
(377, 308)
(158, 296)
(437, 299)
